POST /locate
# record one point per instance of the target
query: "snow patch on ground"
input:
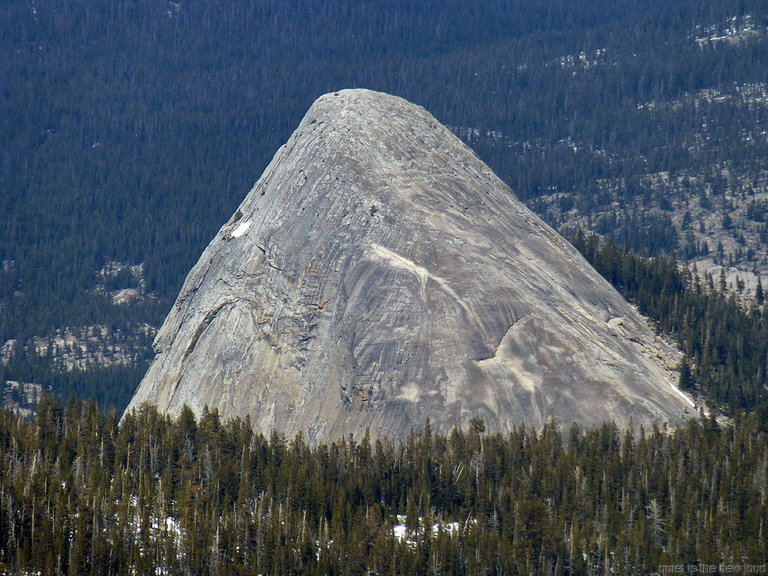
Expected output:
(733, 30)
(400, 532)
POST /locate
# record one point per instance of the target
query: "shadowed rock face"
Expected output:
(378, 274)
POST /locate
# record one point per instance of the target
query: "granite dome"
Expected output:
(378, 274)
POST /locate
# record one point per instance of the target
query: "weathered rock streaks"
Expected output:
(378, 274)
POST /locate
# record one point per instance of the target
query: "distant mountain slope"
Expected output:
(128, 130)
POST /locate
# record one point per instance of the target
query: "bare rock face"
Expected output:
(379, 274)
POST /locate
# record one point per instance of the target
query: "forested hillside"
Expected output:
(131, 129)
(723, 332)
(158, 495)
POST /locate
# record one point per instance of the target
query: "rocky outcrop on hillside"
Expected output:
(379, 274)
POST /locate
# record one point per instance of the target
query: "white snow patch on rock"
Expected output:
(680, 393)
(241, 229)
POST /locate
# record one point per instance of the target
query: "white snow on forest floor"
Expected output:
(400, 531)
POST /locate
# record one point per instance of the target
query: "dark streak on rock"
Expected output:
(209, 317)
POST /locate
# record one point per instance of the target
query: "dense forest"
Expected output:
(724, 341)
(160, 495)
(131, 129)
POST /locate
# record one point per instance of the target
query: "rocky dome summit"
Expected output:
(379, 274)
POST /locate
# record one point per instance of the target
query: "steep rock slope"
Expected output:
(378, 274)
